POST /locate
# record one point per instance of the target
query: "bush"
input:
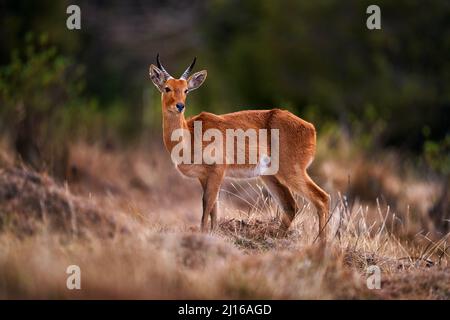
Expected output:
(40, 92)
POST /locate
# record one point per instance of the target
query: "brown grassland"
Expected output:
(131, 222)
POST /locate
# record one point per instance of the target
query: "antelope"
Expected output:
(297, 144)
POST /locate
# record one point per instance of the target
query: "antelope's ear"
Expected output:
(157, 77)
(196, 80)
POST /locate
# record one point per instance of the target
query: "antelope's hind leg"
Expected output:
(319, 198)
(284, 198)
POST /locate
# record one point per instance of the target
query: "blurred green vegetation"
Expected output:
(437, 155)
(45, 108)
(39, 92)
(319, 59)
(385, 88)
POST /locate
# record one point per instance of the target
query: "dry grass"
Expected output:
(131, 223)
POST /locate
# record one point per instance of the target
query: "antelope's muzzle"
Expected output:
(180, 106)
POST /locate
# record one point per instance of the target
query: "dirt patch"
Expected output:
(256, 234)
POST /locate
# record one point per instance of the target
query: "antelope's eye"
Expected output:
(167, 89)
(186, 91)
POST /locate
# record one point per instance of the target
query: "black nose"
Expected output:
(180, 106)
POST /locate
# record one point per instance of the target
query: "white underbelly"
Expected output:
(231, 171)
(191, 171)
(242, 173)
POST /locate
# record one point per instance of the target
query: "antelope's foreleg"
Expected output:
(211, 186)
(213, 215)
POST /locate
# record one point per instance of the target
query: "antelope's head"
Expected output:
(174, 91)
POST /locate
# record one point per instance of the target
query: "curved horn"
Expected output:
(188, 70)
(161, 67)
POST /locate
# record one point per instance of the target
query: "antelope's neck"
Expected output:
(172, 122)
